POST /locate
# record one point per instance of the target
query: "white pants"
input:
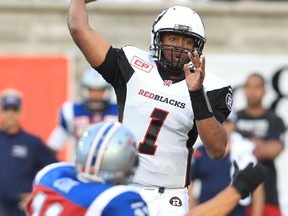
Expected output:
(163, 201)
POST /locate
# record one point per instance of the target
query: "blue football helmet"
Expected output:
(107, 153)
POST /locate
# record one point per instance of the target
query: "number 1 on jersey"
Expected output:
(148, 145)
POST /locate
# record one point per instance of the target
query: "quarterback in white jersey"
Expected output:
(165, 98)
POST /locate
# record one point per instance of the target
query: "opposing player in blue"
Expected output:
(106, 157)
(75, 117)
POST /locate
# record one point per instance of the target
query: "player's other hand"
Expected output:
(247, 180)
(195, 80)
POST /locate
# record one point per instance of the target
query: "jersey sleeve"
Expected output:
(116, 69)
(220, 96)
(66, 116)
(221, 102)
(277, 129)
(57, 138)
(60, 133)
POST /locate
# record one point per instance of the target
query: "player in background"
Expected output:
(266, 130)
(162, 100)
(106, 157)
(244, 182)
(215, 175)
(97, 105)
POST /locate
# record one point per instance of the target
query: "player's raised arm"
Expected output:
(211, 132)
(93, 46)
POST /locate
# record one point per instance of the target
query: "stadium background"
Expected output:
(38, 56)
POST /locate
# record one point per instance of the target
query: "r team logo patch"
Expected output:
(175, 201)
(229, 101)
(168, 82)
(141, 64)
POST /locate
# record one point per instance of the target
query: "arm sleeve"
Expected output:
(57, 138)
(221, 102)
(60, 133)
(116, 69)
(277, 130)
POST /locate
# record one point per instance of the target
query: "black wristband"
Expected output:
(200, 104)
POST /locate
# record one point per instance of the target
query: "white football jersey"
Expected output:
(159, 112)
(161, 116)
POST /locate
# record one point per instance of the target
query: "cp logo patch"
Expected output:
(175, 201)
(141, 64)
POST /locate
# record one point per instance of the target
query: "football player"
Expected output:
(165, 98)
(97, 105)
(106, 157)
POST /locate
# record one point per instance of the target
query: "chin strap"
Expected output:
(172, 69)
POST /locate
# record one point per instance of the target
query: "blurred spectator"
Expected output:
(266, 130)
(22, 155)
(75, 118)
(215, 175)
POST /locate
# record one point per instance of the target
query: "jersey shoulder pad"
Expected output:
(212, 82)
(50, 169)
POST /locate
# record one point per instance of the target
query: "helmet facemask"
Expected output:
(95, 91)
(176, 20)
(176, 52)
(98, 104)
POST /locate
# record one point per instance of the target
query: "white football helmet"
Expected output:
(181, 20)
(92, 80)
(107, 153)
